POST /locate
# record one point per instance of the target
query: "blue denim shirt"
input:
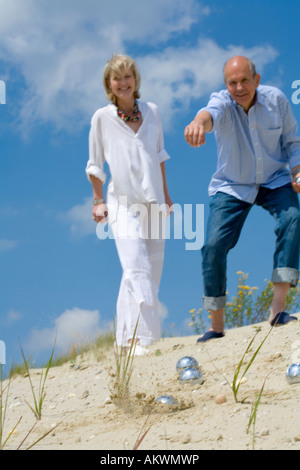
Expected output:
(255, 149)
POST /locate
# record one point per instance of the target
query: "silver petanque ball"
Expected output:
(191, 375)
(298, 180)
(166, 400)
(293, 374)
(185, 362)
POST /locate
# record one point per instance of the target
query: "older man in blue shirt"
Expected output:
(258, 163)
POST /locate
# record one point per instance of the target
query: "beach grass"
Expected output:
(39, 396)
(253, 412)
(240, 373)
(124, 357)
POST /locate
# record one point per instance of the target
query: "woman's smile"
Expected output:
(123, 84)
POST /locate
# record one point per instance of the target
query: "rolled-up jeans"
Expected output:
(226, 219)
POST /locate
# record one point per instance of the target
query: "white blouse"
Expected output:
(133, 158)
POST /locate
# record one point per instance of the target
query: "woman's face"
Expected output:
(123, 85)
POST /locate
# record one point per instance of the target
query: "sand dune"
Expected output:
(78, 399)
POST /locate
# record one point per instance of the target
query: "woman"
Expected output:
(127, 134)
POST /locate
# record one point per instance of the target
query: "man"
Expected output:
(258, 163)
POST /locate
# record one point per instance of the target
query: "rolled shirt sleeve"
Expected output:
(96, 154)
(163, 156)
(161, 151)
(216, 108)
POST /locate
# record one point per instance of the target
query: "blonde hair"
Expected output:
(115, 65)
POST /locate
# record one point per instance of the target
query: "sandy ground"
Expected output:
(78, 399)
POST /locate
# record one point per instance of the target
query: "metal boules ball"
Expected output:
(298, 180)
(191, 375)
(293, 374)
(166, 400)
(185, 362)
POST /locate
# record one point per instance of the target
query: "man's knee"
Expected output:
(291, 218)
(214, 249)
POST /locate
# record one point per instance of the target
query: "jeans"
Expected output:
(226, 219)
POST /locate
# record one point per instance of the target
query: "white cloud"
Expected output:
(162, 311)
(13, 316)
(179, 75)
(72, 327)
(60, 48)
(79, 218)
(7, 245)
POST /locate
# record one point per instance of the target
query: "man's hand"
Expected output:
(195, 132)
(295, 185)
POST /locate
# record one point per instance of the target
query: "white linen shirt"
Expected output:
(133, 158)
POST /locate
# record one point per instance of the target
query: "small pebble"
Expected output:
(13, 405)
(186, 439)
(220, 399)
(241, 381)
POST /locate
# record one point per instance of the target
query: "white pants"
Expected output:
(138, 305)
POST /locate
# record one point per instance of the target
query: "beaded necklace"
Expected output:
(135, 116)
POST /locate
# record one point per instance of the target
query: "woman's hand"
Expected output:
(169, 203)
(100, 213)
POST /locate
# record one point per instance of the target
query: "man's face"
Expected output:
(241, 84)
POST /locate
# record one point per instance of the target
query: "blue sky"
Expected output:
(56, 275)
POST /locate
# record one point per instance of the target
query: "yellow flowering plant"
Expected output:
(197, 321)
(247, 306)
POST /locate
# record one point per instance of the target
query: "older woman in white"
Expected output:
(128, 135)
